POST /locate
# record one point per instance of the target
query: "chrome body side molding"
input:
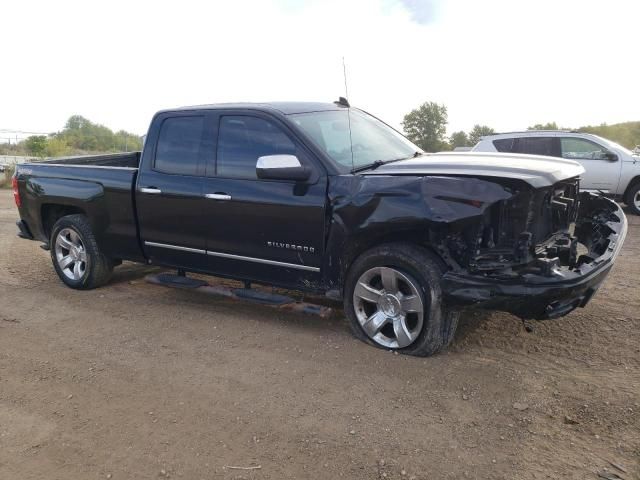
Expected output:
(265, 261)
(174, 247)
(234, 257)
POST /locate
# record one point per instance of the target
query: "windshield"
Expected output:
(370, 139)
(615, 145)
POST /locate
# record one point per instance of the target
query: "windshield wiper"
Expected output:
(377, 163)
(369, 166)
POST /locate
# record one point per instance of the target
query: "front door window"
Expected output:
(579, 148)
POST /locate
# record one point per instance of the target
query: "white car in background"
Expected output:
(609, 168)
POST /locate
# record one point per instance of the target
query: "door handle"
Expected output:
(150, 190)
(218, 196)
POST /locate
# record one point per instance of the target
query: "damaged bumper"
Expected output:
(533, 294)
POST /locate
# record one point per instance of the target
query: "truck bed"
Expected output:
(100, 186)
(127, 160)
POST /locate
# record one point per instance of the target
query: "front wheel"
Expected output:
(76, 257)
(633, 199)
(393, 300)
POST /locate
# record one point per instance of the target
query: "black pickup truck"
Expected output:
(326, 198)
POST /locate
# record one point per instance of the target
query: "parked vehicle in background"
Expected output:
(328, 199)
(609, 168)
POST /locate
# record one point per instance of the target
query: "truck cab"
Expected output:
(204, 203)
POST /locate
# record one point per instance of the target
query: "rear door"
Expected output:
(265, 230)
(602, 172)
(169, 192)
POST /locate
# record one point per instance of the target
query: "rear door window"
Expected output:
(579, 148)
(549, 146)
(179, 145)
(242, 139)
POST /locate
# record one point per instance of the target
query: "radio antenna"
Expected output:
(344, 73)
(345, 102)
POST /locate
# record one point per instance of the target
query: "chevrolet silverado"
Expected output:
(326, 198)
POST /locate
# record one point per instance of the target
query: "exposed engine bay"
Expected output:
(532, 232)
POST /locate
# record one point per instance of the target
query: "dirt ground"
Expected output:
(137, 381)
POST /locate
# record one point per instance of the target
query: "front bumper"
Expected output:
(601, 226)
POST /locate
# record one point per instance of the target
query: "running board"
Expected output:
(247, 294)
(177, 281)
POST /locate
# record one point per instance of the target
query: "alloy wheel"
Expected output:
(389, 307)
(71, 254)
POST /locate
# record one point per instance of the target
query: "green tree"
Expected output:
(459, 139)
(82, 135)
(127, 142)
(479, 131)
(544, 126)
(426, 126)
(36, 145)
(57, 147)
(627, 133)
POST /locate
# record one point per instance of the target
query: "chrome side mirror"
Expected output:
(281, 167)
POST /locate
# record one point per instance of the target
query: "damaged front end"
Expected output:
(538, 254)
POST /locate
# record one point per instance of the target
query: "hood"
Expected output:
(538, 171)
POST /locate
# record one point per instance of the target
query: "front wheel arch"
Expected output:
(359, 245)
(632, 190)
(415, 262)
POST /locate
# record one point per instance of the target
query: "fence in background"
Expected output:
(13, 159)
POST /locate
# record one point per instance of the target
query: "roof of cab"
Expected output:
(285, 108)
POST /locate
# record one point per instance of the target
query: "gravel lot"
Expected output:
(136, 381)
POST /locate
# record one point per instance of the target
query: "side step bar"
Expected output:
(247, 294)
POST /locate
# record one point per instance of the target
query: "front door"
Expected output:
(169, 193)
(264, 230)
(602, 173)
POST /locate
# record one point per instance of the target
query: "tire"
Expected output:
(376, 313)
(75, 254)
(632, 199)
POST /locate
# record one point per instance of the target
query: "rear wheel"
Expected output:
(393, 300)
(633, 198)
(76, 257)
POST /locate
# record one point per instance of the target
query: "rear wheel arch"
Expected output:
(50, 213)
(73, 243)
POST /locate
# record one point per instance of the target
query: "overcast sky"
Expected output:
(504, 63)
